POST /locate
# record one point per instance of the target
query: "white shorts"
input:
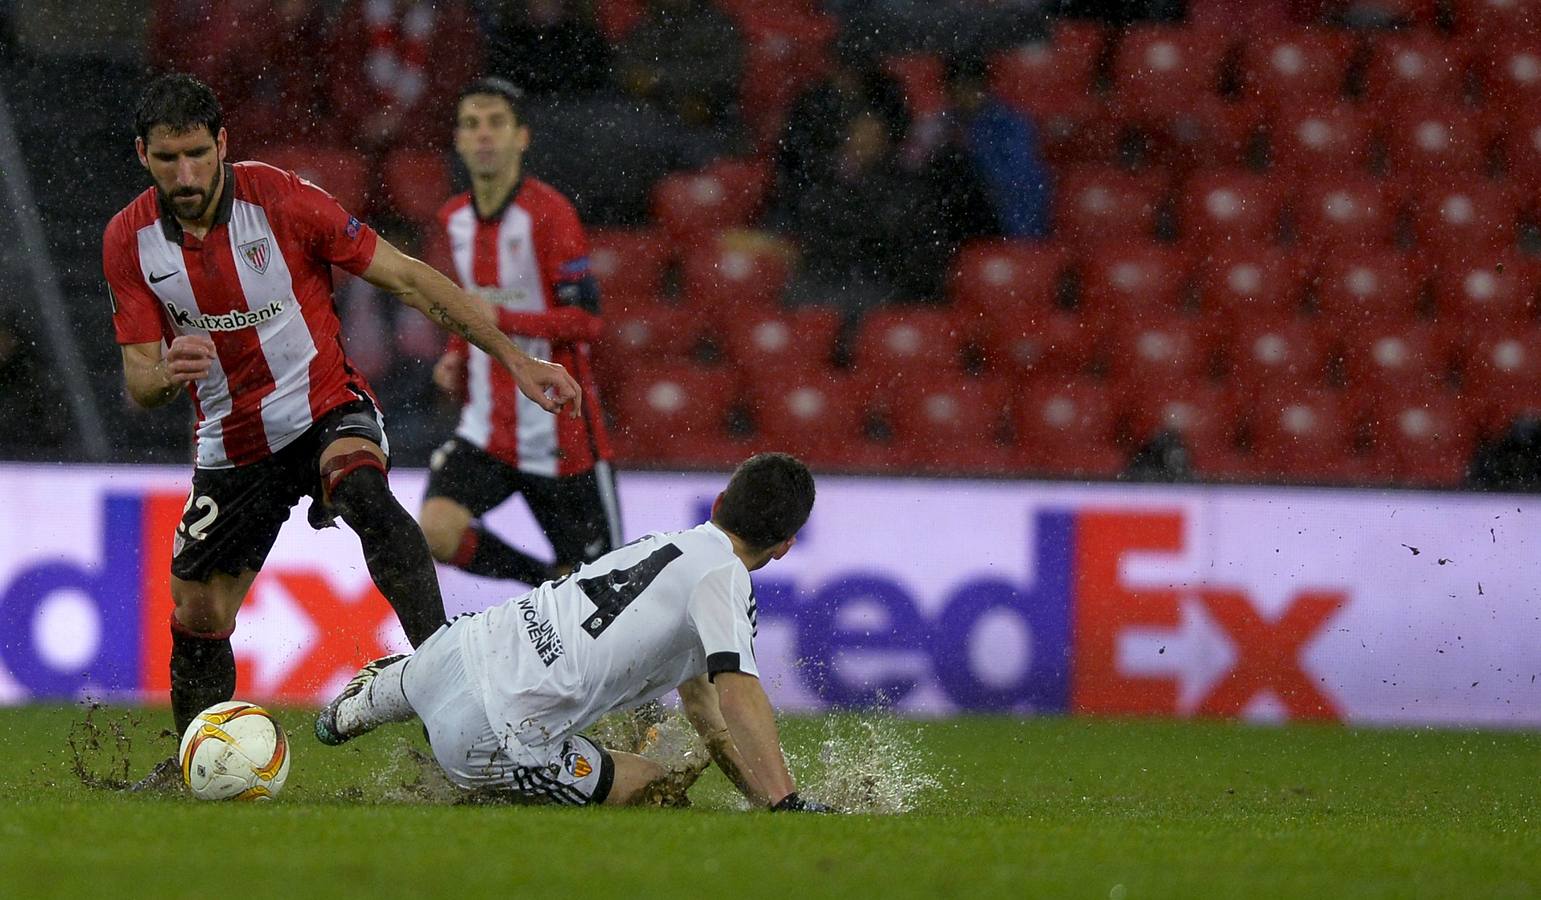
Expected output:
(577, 771)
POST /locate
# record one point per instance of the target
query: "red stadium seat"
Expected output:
(1075, 127)
(1155, 351)
(1206, 131)
(785, 53)
(628, 263)
(1417, 66)
(637, 339)
(893, 341)
(1518, 133)
(802, 339)
(1495, 19)
(1303, 435)
(1305, 63)
(1437, 144)
(1469, 219)
(821, 417)
(732, 275)
(1501, 376)
(1130, 280)
(1066, 428)
(665, 409)
(1154, 64)
(1223, 205)
(923, 78)
(1066, 62)
(342, 173)
(1324, 139)
(1199, 412)
(1283, 354)
(1094, 204)
(1423, 440)
(1383, 361)
(691, 204)
(953, 424)
(1511, 71)
(1247, 281)
(1343, 212)
(1354, 286)
(1034, 341)
(990, 274)
(417, 184)
(1488, 291)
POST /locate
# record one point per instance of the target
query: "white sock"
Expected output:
(383, 701)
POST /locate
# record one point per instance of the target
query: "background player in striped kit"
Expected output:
(516, 243)
(220, 278)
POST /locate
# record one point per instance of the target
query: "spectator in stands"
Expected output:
(251, 48)
(988, 176)
(548, 47)
(806, 158)
(396, 65)
(864, 229)
(686, 56)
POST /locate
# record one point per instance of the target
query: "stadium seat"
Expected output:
(786, 51)
(1066, 428)
(1289, 66)
(1501, 376)
(1489, 20)
(1200, 412)
(1353, 286)
(341, 173)
(417, 184)
(1469, 219)
(1416, 66)
(1094, 204)
(735, 274)
(820, 417)
(1277, 355)
(1219, 206)
(690, 204)
(1153, 351)
(1423, 440)
(1511, 70)
(628, 263)
(1518, 133)
(990, 274)
(1075, 127)
(1487, 291)
(1434, 143)
(1323, 139)
(674, 411)
(1248, 281)
(1384, 361)
(893, 341)
(1154, 64)
(1302, 434)
(923, 78)
(802, 339)
(1338, 213)
(1027, 341)
(953, 424)
(1120, 281)
(1065, 63)
(634, 340)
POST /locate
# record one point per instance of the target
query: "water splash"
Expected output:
(869, 763)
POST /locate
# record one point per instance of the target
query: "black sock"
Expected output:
(484, 553)
(202, 672)
(394, 550)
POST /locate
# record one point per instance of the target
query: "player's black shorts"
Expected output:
(233, 515)
(578, 513)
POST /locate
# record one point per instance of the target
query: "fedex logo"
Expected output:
(320, 634)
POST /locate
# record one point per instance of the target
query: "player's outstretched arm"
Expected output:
(698, 696)
(153, 379)
(752, 724)
(424, 288)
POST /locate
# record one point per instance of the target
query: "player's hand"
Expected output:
(793, 803)
(189, 358)
(548, 384)
(449, 373)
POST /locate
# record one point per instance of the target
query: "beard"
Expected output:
(190, 204)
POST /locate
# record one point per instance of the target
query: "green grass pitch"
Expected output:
(1025, 808)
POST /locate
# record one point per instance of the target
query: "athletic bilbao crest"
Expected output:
(257, 253)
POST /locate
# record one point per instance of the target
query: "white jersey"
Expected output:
(625, 628)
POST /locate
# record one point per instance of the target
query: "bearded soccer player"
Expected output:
(506, 693)
(220, 279)
(516, 244)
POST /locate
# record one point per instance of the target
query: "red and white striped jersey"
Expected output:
(260, 285)
(529, 258)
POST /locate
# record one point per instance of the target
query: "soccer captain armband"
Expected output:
(581, 292)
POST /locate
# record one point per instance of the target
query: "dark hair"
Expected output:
(767, 499)
(181, 103)
(497, 87)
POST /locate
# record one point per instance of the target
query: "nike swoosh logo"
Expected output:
(157, 279)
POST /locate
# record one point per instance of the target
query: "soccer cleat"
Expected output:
(165, 778)
(327, 730)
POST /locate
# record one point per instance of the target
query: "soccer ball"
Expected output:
(234, 751)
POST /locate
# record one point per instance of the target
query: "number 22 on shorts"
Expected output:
(198, 529)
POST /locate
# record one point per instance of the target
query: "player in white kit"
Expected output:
(505, 693)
